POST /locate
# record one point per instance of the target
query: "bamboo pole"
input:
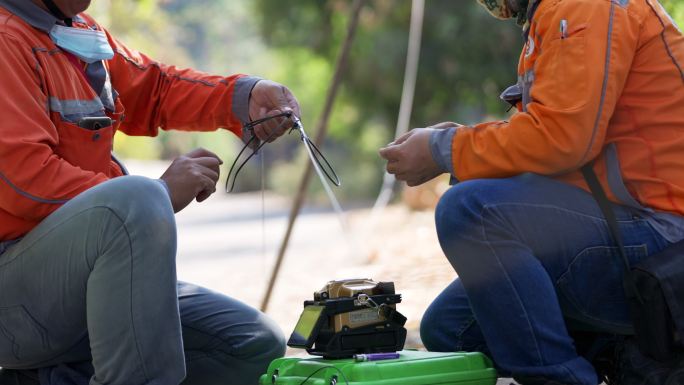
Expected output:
(321, 131)
(406, 106)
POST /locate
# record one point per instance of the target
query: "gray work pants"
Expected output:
(96, 280)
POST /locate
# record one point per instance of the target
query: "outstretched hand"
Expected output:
(409, 157)
(269, 98)
(192, 176)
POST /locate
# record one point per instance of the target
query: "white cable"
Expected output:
(331, 195)
(262, 159)
(407, 95)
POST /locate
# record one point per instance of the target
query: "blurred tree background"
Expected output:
(467, 58)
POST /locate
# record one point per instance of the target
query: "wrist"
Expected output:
(242, 94)
(440, 147)
(166, 186)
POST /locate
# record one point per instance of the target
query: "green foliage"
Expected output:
(217, 36)
(467, 58)
(676, 9)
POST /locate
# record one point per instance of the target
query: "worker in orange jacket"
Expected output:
(598, 80)
(87, 255)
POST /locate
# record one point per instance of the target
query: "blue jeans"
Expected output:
(531, 253)
(96, 281)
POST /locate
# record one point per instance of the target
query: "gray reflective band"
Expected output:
(440, 147)
(527, 83)
(615, 181)
(74, 110)
(241, 92)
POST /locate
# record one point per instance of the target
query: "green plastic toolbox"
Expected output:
(411, 368)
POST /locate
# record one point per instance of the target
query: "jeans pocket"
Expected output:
(21, 336)
(592, 285)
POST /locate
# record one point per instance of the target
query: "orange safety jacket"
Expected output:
(46, 159)
(600, 79)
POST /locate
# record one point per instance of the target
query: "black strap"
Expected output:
(603, 202)
(54, 9)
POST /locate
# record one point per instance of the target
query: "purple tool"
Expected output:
(375, 356)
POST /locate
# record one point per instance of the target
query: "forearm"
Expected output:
(157, 96)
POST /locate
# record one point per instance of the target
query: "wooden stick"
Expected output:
(321, 131)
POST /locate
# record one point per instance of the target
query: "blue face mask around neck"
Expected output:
(87, 44)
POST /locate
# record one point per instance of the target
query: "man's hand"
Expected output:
(192, 176)
(409, 157)
(267, 99)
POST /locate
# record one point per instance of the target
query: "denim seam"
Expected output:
(24, 248)
(661, 241)
(64, 351)
(465, 326)
(601, 219)
(213, 336)
(534, 205)
(206, 354)
(133, 329)
(644, 246)
(570, 372)
(510, 282)
(12, 339)
(461, 331)
(38, 325)
(123, 225)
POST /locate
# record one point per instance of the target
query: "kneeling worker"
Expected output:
(599, 81)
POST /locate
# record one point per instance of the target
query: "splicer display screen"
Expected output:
(303, 334)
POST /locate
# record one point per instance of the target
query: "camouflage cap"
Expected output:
(501, 10)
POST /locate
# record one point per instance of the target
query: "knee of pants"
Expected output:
(133, 196)
(141, 207)
(441, 334)
(461, 206)
(459, 211)
(430, 330)
(139, 202)
(268, 343)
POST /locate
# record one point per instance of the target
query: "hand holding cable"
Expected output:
(321, 164)
(268, 100)
(409, 157)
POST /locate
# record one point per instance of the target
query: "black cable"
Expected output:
(328, 169)
(250, 126)
(325, 367)
(318, 156)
